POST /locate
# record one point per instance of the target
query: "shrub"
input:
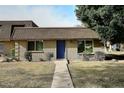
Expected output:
(13, 53)
(99, 56)
(28, 56)
(50, 55)
(88, 57)
(88, 50)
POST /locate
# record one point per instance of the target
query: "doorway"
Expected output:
(60, 49)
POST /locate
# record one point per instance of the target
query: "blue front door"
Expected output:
(60, 49)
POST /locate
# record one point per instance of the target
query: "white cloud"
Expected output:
(41, 15)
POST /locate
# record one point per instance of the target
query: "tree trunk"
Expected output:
(110, 48)
(107, 46)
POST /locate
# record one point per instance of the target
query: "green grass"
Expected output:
(26, 75)
(97, 74)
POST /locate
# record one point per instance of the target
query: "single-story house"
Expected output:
(61, 42)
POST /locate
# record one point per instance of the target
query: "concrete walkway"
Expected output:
(61, 78)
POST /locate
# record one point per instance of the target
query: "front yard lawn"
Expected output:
(26, 74)
(97, 74)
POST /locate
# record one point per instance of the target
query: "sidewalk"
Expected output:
(61, 78)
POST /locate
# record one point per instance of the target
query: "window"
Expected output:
(81, 46)
(39, 46)
(85, 46)
(35, 45)
(31, 45)
(88, 46)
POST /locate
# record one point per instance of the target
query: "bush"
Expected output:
(88, 57)
(28, 56)
(13, 53)
(49, 56)
(88, 50)
(99, 56)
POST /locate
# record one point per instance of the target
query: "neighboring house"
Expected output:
(62, 42)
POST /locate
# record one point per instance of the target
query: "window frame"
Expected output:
(35, 45)
(78, 46)
(85, 45)
(92, 44)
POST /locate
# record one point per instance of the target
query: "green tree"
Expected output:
(107, 21)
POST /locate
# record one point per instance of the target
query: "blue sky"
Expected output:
(44, 15)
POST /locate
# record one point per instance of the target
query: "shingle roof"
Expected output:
(36, 33)
(4, 35)
(6, 27)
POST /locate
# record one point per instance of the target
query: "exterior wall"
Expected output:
(49, 46)
(98, 46)
(22, 49)
(71, 49)
(8, 46)
(37, 56)
(19, 46)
